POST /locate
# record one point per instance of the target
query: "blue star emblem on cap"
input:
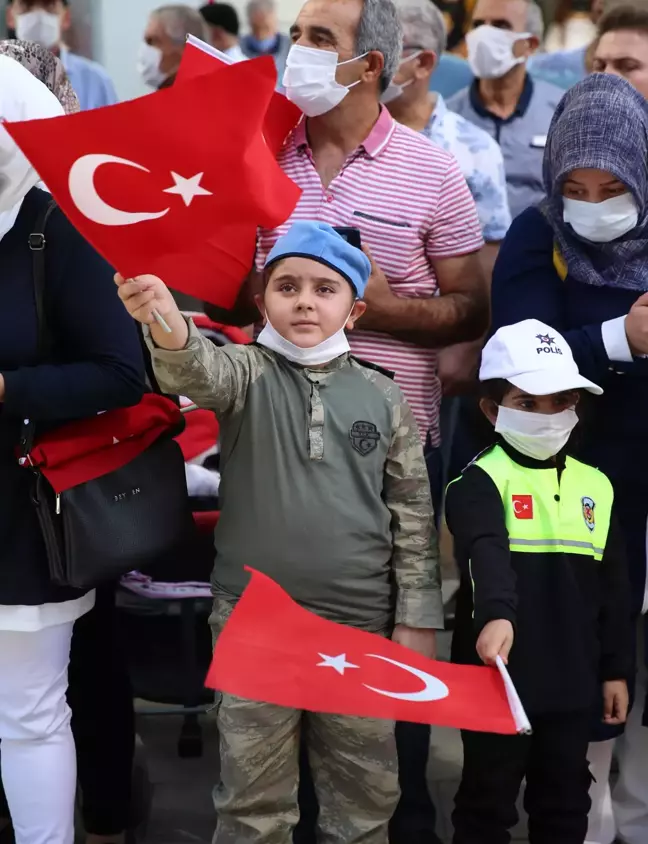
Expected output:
(545, 338)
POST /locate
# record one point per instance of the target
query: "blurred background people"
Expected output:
(46, 22)
(504, 100)
(264, 38)
(164, 42)
(223, 26)
(411, 103)
(579, 262)
(622, 46)
(573, 26)
(565, 66)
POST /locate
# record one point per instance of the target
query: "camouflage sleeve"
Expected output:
(213, 377)
(415, 559)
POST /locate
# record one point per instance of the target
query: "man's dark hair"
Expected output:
(624, 17)
(222, 15)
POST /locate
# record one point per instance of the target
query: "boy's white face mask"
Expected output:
(333, 347)
(537, 435)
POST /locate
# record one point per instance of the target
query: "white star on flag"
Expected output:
(338, 663)
(188, 189)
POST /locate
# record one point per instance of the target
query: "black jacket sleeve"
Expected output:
(98, 359)
(475, 517)
(615, 623)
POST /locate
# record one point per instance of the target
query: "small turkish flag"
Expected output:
(150, 181)
(275, 651)
(522, 506)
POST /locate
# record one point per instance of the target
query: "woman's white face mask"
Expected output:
(537, 435)
(309, 79)
(601, 222)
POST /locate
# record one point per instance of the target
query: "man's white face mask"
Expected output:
(309, 79)
(490, 51)
(40, 26)
(149, 59)
(395, 89)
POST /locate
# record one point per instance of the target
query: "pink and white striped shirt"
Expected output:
(411, 203)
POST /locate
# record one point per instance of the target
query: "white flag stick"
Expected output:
(519, 715)
(207, 48)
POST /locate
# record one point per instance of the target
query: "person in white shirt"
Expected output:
(223, 24)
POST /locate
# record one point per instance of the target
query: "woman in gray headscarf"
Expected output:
(94, 365)
(579, 263)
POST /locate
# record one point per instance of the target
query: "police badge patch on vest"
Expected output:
(364, 437)
(588, 512)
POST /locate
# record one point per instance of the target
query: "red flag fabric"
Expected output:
(84, 450)
(149, 181)
(282, 116)
(275, 651)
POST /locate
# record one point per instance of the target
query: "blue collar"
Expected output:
(520, 109)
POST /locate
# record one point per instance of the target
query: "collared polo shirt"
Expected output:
(411, 203)
(91, 82)
(522, 136)
(481, 162)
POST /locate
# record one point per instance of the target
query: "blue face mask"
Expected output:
(264, 44)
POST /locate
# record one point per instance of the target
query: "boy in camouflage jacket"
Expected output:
(324, 488)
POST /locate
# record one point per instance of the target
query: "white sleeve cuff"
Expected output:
(615, 340)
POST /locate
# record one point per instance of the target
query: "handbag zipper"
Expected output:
(58, 505)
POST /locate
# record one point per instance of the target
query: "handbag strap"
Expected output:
(37, 243)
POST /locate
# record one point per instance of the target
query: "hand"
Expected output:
(378, 297)
(419, 639)
(145, 294)
(636, 326)
(496, 639)
(615, 702)
(2, 388)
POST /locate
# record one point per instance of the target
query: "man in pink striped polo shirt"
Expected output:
(415, 213)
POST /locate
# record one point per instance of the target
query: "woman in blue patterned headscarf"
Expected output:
(579, 262)
(596, 177)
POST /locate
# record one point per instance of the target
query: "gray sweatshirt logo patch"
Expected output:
(364, 437)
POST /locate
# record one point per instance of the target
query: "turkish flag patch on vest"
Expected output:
(522, 506)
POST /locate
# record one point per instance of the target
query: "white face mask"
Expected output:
(334, 346)
(309, 79)
(40, 26)
(601, 222)
(148, 65)
(395, 89)
(490, 51)
(538, 435)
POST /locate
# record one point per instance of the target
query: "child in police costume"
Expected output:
(544, 586)
(324, 488)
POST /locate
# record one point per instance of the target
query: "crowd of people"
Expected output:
(451, 334)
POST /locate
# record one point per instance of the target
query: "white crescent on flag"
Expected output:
(91, 205)
(434, 689)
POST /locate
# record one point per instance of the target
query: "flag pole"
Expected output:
(522, 722)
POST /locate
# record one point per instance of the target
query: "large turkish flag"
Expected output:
(275, 651)
(282, 115)
(151, 181)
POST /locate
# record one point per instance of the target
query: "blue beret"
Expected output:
(320, 242)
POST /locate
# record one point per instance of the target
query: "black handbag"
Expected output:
(127, 519)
